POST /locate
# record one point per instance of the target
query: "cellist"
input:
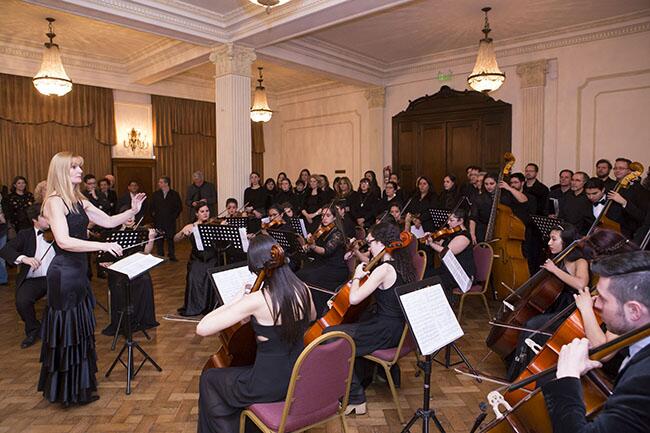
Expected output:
(624, 305)
(280, 313)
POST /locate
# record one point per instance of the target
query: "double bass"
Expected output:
(238, 345)
(506, 233)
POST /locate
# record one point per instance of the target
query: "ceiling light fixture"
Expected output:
(486, 75)
(260, 111)
(51, 78)
(268, 4)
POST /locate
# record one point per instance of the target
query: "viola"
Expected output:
(341, 310)
(238, 345)
(440, 234)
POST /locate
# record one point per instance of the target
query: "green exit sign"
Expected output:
(445, 76)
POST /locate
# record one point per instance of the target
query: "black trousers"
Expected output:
(169, 238)
(30, 291)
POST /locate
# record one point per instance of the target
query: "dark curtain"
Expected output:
(257, 148)
(33, 127)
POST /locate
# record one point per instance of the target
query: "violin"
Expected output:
(341, 311)
(322, 231)
(238, 345)
(276, 222)
(440, 234)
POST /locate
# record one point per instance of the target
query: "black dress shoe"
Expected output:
(29, 341)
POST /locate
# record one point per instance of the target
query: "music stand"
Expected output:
(126, 270)
(439, 216)
(287, 240)
(209, 235)
(545, 224)
(298, 225)
(238, 222)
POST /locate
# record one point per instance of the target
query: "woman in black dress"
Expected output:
(449, 196)
(68, 357)
(199, 295)
(144, 310)
(280, 313)
(364, 205)
(312, 204)
(383, 328)
(425, 199)
(16, 203)
(255, 197)
(324, 185)
(481, 207)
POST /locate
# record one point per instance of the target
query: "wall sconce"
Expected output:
(134, 141)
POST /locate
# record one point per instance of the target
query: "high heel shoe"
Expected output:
(358, 409)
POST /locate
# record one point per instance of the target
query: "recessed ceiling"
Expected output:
(219, 6)
(431, 26)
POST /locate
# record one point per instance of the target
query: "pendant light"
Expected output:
(260, 111)
(486, 76)
(51, 78)
(268, 4)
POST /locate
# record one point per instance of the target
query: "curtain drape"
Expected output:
(33, 127)
(257, 148)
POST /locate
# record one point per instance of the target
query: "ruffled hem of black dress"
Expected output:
(68, 357)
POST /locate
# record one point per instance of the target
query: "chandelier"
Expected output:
(260, 111)
(134, 141)
(51, 78)
(268, 4)
(486, 76)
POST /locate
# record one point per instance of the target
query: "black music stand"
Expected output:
(287, 240)
(298, 225)
(545, 224)
(439, 216)
(211, 235)
(239, 222)
(125, 278)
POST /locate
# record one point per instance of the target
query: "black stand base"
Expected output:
(463, 359)
(426, 413)
(129, 344)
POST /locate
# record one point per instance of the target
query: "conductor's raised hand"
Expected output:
(113, 248)
(137, 200)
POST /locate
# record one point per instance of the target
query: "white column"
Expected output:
(233, 102)
(532, 76)
(374, 159)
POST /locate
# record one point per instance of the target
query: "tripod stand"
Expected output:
(425, 413)
(447, 362)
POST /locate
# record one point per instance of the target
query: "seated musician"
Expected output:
(276, 220)
(573, 271)
(624, 305)
(395, 212)
(383, 328)
(289, 210)
(232, 207)
(144, 310)
(328, 269)
(635, 199)
(349, 226)
(199, 295)
(460, 245)
(595, 191)
(280, 313)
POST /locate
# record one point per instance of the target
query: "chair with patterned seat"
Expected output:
(318, 390)
(483, 257)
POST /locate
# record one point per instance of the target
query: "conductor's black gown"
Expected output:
(68, 358)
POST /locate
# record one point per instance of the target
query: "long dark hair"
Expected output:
(290, 299)
(568, 234)
(386, 233)
(15, 181)
(604, 242)
(338, 219)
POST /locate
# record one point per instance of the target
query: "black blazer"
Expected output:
(23, 244)
(125, 200)
(165, 210)
(626, 410)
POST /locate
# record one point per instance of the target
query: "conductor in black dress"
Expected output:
(33, 254)
(166, 207)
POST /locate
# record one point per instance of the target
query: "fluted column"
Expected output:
(532, 76)
(233, 102)
(374, 158)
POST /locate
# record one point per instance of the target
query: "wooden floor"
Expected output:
(167, 401)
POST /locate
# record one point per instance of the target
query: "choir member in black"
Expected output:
(533, 187)
(345, 192)
(389, 198)
(573, 271)
(623, 302)
(471, 188)
(33, 254)
(481, 208)
(374, 185)
(285, 194)
(635, 199)
(383, 327)
(199, 295)
(304, 176)
(126, 199)
(603, 169)
(255, 197)
(15, 204)
(143, 315)
(364, 205)
(328, 269)
(200, 192)
(280, 313)
(324, 185)
(349, 226)
(106, 197)
(460, 245)
(575, 207)
(281, 175)
(311, 206)
(450, 193)
(300, 192)
(424, 199)
(166, 207)
(559, 191)
(270, 190)
(595, 191)
(68, 357)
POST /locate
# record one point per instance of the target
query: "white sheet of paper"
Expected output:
(232, 282)
(417, 232)
(197, 238)
(431, 318)
(243, 236)
(135, 264)
(303, 228)
(265, 220)
(462, 279)
(556, 206)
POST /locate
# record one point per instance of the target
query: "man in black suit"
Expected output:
(166, 206)
(33, 253)
(624, 305)
(635, 199)
(603, 168)
(596, 190)
(125, 200)
(575, 207)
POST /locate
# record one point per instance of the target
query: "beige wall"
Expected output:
(132, 110)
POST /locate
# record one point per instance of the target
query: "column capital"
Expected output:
(231, 59)
(533, 74)
(376, 97)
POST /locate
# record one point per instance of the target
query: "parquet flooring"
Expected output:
(166, 402)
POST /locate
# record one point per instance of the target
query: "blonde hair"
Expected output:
(39, 191)
(59, 182)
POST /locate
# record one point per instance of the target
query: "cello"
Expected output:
(341, 311)
(506, 233)
(238, 345)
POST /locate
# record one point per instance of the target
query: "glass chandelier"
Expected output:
(260, 111)
(486, 76)
(51, 78)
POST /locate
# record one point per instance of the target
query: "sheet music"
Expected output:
(457, 271)
(556, 206)
(417, 232)
(244, 238)
(265, 220)
(135, 264)
(197, 238)
(303, 228)
(232, 282)
(431, 318)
